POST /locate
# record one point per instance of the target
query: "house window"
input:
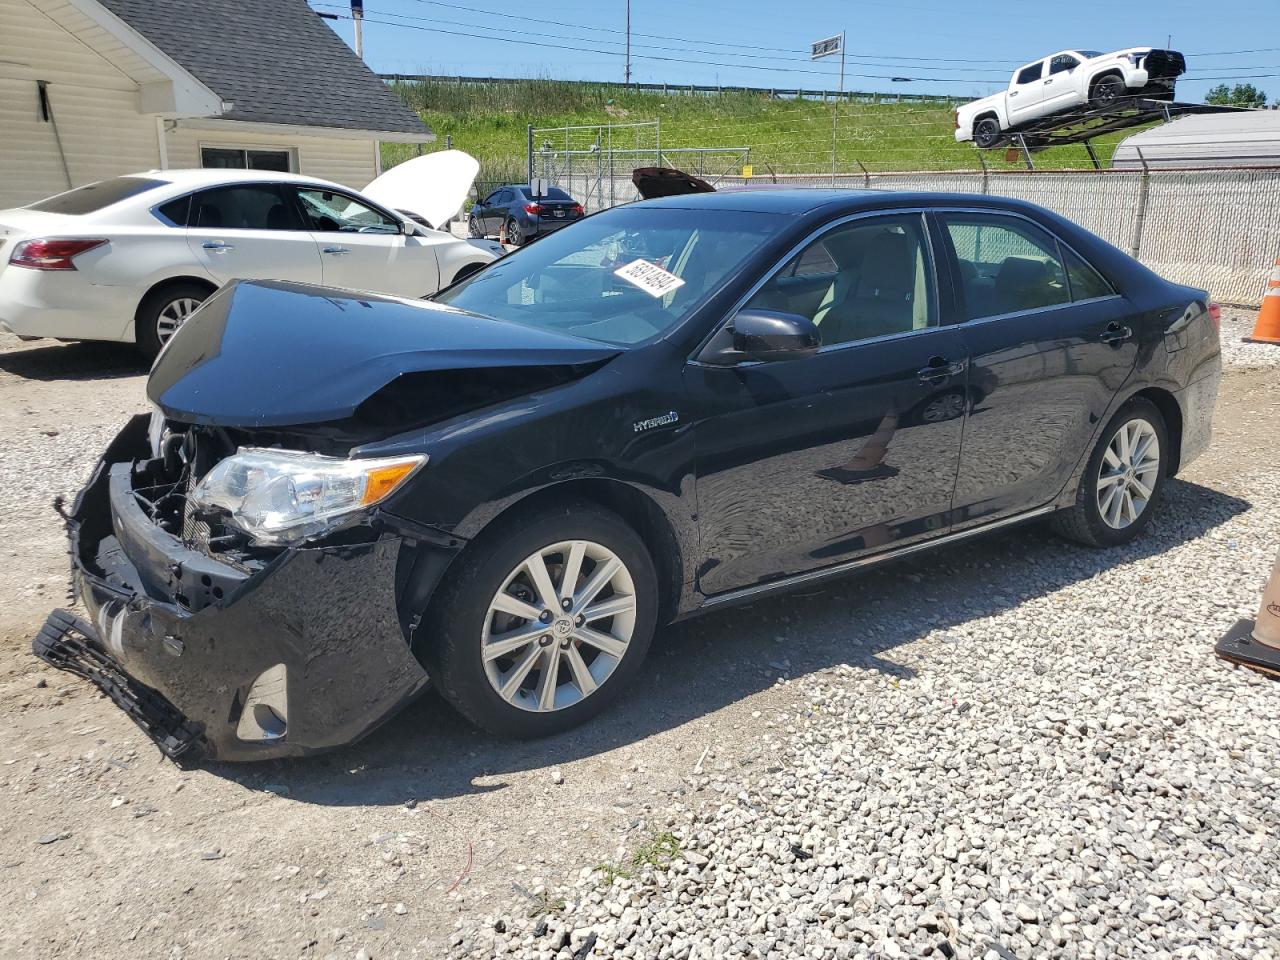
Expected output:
(235, 158)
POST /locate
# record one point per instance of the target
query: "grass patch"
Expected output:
(658, 850)
(785, 136)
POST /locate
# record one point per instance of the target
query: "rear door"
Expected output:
(805, 463)
(251, 231)
(365, 248)
(1049, 344)
(1026, 93)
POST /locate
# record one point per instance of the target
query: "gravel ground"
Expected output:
(1014, 744)
(1237, 323)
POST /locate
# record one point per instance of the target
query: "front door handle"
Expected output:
(940, 368)
(217, 245)
(337, 251)
(1115, 332)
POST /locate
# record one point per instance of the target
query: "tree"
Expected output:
(1240, 95)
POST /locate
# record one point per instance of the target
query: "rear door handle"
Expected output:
(939, 368)
(217, 245)
(1115, 333)
(337, 251)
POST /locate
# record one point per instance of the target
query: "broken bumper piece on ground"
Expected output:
(303, 655)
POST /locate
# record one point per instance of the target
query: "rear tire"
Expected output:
(986, 133)
(513, 232)
(474, 229)
(1111, 488)
(479, 606)
(1106, 91)
(163, 311)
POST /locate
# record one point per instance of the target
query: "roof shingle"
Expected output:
(275, 60)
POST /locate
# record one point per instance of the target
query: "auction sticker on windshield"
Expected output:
(649, 277)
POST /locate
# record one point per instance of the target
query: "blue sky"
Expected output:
(962, 48)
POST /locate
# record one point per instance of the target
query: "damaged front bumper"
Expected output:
(304, 654)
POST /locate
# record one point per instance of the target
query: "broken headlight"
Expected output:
(282, 497)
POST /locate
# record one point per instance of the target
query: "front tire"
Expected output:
(162, 312)
(1123, 479)
(986, 134)
(1106, 91)
(543, 621)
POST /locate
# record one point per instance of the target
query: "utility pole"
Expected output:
(627, 73)
(842, 61)
(357, 20)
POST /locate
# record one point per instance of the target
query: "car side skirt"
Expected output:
(744, 594)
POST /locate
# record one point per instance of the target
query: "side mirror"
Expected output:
(764, 335)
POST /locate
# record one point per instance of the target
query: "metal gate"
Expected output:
(593, 162)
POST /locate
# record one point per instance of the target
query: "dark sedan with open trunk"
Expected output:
(670, 407)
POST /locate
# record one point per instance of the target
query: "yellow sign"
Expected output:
(746, 171)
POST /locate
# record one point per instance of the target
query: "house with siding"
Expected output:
(91, 89)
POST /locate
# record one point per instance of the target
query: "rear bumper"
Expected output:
(541, 226)
(302, 656)
(64, 304)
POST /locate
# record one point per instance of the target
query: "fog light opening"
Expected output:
(266, 708)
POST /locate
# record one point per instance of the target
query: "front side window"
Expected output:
(865, 279)
(234, 158)
(250, 206)
(1062, 63)
(1030, 74)
(329, 211)
(620, 277)
(1007, 265)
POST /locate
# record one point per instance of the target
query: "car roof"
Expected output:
(800, 201)
(202, 177)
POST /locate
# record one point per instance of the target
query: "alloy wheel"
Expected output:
(174, 315)
(1128, 473)
(558, 626)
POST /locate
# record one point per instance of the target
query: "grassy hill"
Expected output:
(787, 136)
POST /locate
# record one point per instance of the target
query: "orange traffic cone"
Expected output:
(1267, 329)
(1256, 643)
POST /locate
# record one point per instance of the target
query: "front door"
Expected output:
(251, 231)
(1049, 347)
(802, 464)
(1026, 93)
(364, 248)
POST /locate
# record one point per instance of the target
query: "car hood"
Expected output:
(433, 186)
(276, 354)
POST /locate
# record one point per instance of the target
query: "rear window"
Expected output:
(553, 193)
(95, 196)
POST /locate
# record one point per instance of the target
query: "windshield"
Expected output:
(94, 196)
(1089, 54)
(619, 277)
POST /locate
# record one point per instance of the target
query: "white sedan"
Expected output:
(129, 259)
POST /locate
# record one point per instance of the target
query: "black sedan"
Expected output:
(516, 214)
(675, 406)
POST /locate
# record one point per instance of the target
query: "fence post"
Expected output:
(986, 175)
(866, 175)
(1135, 248)
(530, 180)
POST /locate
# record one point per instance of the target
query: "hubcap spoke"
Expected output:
(600, 576)
(521, 671)
(507, 643)
(602, 641)
(537, 568)
(1143, 490)
(581, 675)
(572, 569)
(547, 683)
(506, 603)
(619, 603)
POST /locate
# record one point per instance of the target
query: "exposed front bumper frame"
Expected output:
(327, 614)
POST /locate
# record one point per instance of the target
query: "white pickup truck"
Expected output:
(1067, 81)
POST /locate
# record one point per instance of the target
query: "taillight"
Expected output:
(577, 208)
(1215, 314)
(51, 254)
(533, 208)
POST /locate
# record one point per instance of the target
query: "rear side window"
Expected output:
(254, 206)
(1086, 282)
(1006, 265)
(176, 212)
(95, 196)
